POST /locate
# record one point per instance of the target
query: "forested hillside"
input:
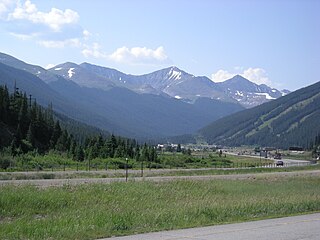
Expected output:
(26, 127)
(287, 121)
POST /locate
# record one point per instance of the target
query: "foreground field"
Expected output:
(103, 210)
(134, 174)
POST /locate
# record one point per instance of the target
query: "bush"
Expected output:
(6, 162)
(155, 165)
(119, 163)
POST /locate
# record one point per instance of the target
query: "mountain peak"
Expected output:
(175, 68)
(239, 78)
(68, 68)
(67, 65)
(175, 73)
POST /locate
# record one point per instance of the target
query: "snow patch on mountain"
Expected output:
(239, 93)
(174, 74)
(57, 69)
(266, 95)
(70, 72)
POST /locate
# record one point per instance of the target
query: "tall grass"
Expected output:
(113, 173)
(94, 211)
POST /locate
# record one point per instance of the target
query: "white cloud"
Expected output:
(93, 51)
(52, 29)
(5, 6)
(135, 55)
(256, 75)
(50, 65)
(58, 28)
(86, 34)
(138, 55)
(73, 42)
(23, 37)
(55, 19)
(221, 76)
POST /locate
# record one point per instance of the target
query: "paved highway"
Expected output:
(291, 162)
(304, 227)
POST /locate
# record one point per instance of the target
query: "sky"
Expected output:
(274, 42)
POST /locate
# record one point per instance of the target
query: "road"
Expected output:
(304, 227)
(291, 162)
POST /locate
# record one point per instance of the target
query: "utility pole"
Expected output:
(126, 169)
(142, 168)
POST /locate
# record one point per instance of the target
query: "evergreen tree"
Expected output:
(137, 153)
(79, 154)
(179, 148)
(63, 142)
(145, 153)
(23, 119)
(73, 146)
(55, 135)
(153, 154)
(30, 135)
(112, 145)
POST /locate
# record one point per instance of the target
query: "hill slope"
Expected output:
(289, 120)
(44, 95)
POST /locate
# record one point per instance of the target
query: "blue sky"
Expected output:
(276, 42)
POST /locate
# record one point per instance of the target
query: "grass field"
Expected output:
(60, 162)
(147, 173)
(95, 211)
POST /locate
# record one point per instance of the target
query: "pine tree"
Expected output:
(153, 155)
(23, 119)
(79, 154)
(179, 148)
(112, 145)
(55, 135)
(73, 147)
(30, 135)
(63, 143)
(137, 153)
(145, 153)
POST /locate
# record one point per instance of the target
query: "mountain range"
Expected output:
(114, 108)
(159, 105)
(171, 82)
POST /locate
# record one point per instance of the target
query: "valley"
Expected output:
(76, 128)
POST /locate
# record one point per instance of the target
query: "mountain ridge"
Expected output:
(170, 81)
(289, 120)
(179, 84)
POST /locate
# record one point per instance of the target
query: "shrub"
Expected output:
(5, 162)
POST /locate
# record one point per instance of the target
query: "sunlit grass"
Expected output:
(94, 211)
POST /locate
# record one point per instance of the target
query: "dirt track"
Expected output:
(76, 181)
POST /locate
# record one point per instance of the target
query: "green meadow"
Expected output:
(105, 210)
